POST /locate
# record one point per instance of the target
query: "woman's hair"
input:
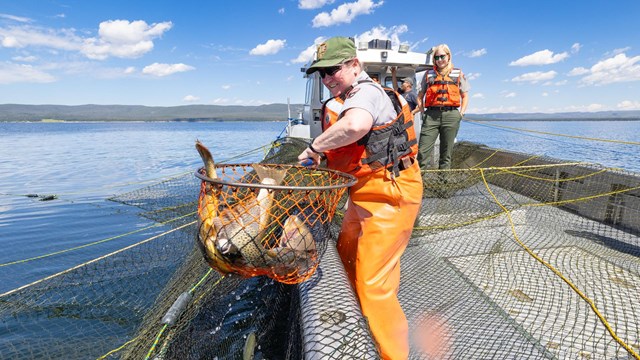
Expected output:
(443, 48)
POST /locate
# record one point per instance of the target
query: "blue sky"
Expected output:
(519, 56)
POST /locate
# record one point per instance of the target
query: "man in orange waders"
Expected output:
(368, 132)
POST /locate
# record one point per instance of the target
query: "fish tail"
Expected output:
(268, 172)
(207, 159)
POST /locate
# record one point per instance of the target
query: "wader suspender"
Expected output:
(395, 150)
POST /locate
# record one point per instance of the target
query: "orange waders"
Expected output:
(375, 232)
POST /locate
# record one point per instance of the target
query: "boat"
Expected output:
(513, 256)
(378, 57)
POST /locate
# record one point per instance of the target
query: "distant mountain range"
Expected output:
(271, 112)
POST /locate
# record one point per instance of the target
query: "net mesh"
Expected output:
(513, 256)
(275, 230)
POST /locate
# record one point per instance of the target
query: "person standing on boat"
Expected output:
(406, 90)
(443, 95)
(369, 135)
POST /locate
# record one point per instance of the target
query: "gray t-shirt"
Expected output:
(412, 99)
(371, 97)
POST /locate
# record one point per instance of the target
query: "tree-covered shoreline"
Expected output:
(270, 112)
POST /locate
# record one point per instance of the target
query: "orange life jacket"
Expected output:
(442, 90)
(382, 147)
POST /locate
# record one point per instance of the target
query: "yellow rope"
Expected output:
(554, 179)
(95, 242)
(559, 274)
(487, 158)
(542, 166)
(155, 342)
(451, 226)
(158, 337)
(117, 349)
(554, 134)
(96, 259)
(569, 201)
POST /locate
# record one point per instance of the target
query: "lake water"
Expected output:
(83, 164)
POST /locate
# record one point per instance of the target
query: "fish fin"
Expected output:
(207, 159)
(268, 172)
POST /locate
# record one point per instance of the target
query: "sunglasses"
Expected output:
(440, 57)
(329, 71)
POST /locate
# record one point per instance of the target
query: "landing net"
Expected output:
(513, 256)
(279, 230)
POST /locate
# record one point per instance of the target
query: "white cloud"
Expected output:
(498, 109)
(26, 36)
(615, 52)
(578, 71)
(629, 105)
(308, 54)
(619, 68)
(157, 69)
(575, 48)
(510, 95)
(269, 48)
(543, 57)
(313, 4)
(472, 76)
(15, 18)
(190, 98)
(130, 70)
(477, 53)
(221, 101)
(478, 95)
(380, 32)
(555, 83)
(281, 11)
(118, 38)
(545, 94)
(535, 77)
(20, 73)
(123, 39)
(595, 107)
(345, 13)
(24, 58)
(226, 87)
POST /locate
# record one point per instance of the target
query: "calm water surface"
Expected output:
(86, 163)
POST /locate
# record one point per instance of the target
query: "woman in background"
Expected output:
(443, 96)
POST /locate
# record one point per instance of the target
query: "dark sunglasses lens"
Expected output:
(440, 57)
(329, 71)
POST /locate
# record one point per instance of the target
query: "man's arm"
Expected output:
(394, 80)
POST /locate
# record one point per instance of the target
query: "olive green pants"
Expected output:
(438, 123)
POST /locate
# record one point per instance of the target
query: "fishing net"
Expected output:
(513, 256)
(278, 230)
(521, 256)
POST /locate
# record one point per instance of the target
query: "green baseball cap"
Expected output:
(333, 52)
